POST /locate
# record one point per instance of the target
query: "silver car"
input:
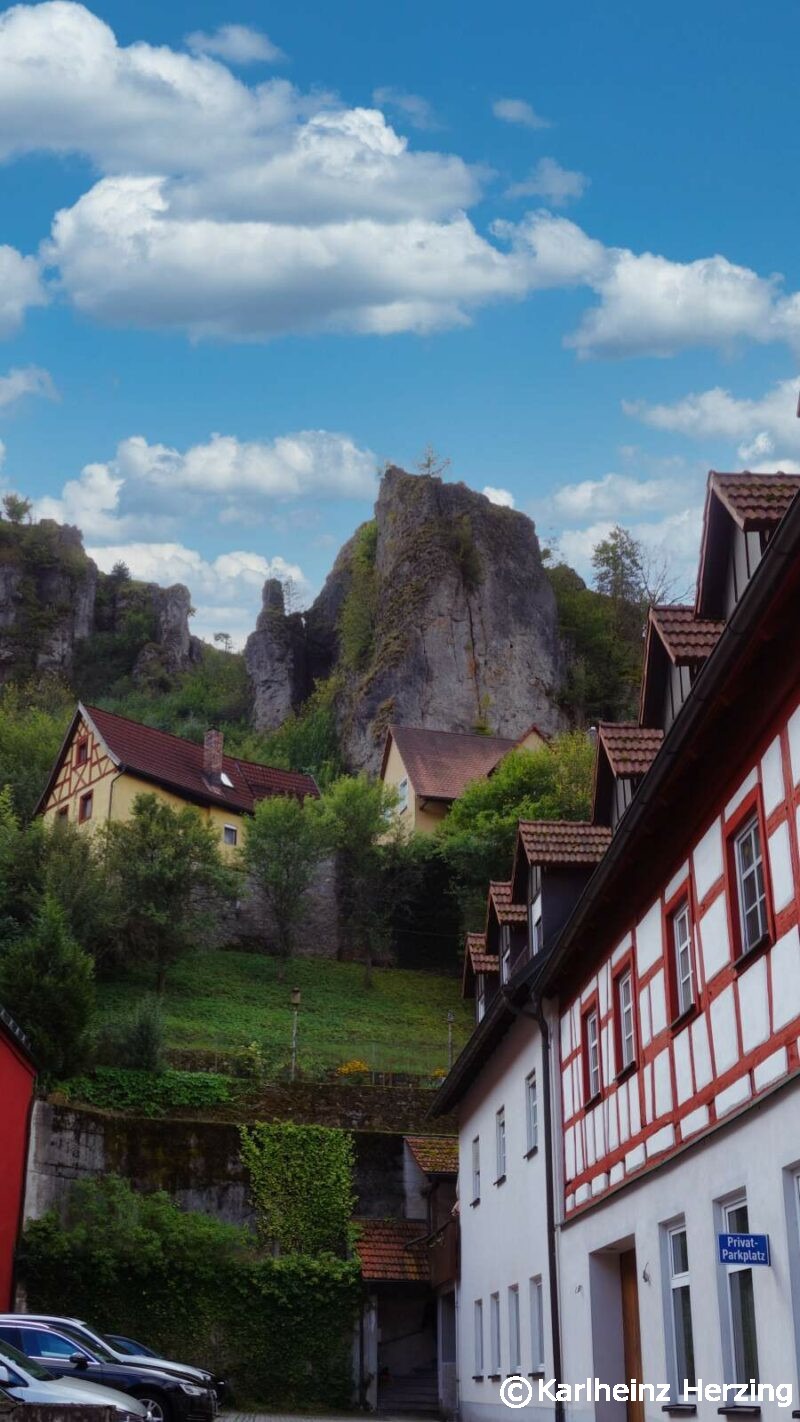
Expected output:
(27, 1382)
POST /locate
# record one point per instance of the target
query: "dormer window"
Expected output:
(505, 960)
(480, 997)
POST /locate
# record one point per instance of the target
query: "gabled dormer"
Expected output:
(677, 643)
(481, 976)
(625, 753)
(741, 514)
(506, 935)
(552, 862)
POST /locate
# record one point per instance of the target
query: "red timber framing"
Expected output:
(734, 752)
(740, 1035)
(84, 766)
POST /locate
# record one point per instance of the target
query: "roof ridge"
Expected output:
(467, 735)
(186, 741)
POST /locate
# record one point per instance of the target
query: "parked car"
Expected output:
(168, 1397)
(129, 1347)
(27, 1382)
(136, 1354)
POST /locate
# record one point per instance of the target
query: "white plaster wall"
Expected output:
(757, 1153)
(504, 1238)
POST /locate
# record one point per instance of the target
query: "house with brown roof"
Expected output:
(106, 760)
(430, 769)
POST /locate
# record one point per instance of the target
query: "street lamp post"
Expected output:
(295, 1002)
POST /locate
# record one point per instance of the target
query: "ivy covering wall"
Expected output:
(301, 1185)
(200, 1291)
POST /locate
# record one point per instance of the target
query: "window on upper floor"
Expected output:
(85, 807)
(230, 834)
(82, 751)
(531, 1112)
(624, 1023)
(679, 929)
(62, 815)
(402, 794)
(476, 1170)
(500, 1144)
(480, 996)
(505, 952)
(592, 1076)
(751, 890)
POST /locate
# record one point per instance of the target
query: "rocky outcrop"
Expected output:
(439, 614)
(53, 599)
(277, 660)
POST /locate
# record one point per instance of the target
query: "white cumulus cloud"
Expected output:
(503, 497)
(519, 111)
(237, 44)
(550, 181)
(417, 110)
(26, 380)
(20, 287)
(762, 427)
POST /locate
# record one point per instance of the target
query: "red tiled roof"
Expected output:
(177, 764)
(382, 1248)
(440, 764)
(476, 955)
(755, 501)
(506, 910)
(563, 841)
(631, 749)
(688, 639)
(435, 1155)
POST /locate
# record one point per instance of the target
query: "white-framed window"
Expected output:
(679, 1324)
(500, 1141)
(682, 951)
(505, 958)
(741, 1301)
(476, 1170)
(402, 792)
(537, 1324)
(531, 1111)
(480, 997)
(750, 884)
(627, 1032)
(591, 1046)
(477, 1318)
(494, 1328)
(514, 1341)
(230, 834)
(537, 935)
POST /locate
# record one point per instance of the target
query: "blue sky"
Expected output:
(248, 255)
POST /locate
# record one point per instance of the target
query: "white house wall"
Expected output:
(504, 1238)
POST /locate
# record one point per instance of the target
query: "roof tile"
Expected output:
(756, 501)
(631, 749)
(178, 764)
(435, 1155)
(481, 961)
(688, 639)
(441, 764)
(383, 1249)
(563, 841)
(506, 910)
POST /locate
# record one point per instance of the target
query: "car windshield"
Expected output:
(34, 1370)
(88, 1341)
(130, 1346)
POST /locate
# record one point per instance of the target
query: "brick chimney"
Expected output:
(212, 755)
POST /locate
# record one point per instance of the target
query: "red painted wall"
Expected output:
(16, 1092)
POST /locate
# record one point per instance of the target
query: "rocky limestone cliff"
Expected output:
(437, 614)
(53, 600)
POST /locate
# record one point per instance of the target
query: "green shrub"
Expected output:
(47, 984)
(137, 1042)
(146, 1093)
(197, 1289)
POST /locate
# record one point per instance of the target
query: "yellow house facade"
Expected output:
(430, 769)
(107, 760)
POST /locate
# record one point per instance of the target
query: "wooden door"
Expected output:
(631, 1337)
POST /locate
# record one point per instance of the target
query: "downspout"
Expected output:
(537, 1016)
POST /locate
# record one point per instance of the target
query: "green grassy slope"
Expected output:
(219, 1002)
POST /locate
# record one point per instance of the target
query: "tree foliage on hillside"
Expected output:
(477, 838)
(47, 984)
(282, 846)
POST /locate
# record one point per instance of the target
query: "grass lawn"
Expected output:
(220, 1001)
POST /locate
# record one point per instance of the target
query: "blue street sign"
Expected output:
(743, 1248)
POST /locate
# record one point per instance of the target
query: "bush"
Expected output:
(47, 984)
(146, 1093)
(138, 1042)
(197, 1289)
